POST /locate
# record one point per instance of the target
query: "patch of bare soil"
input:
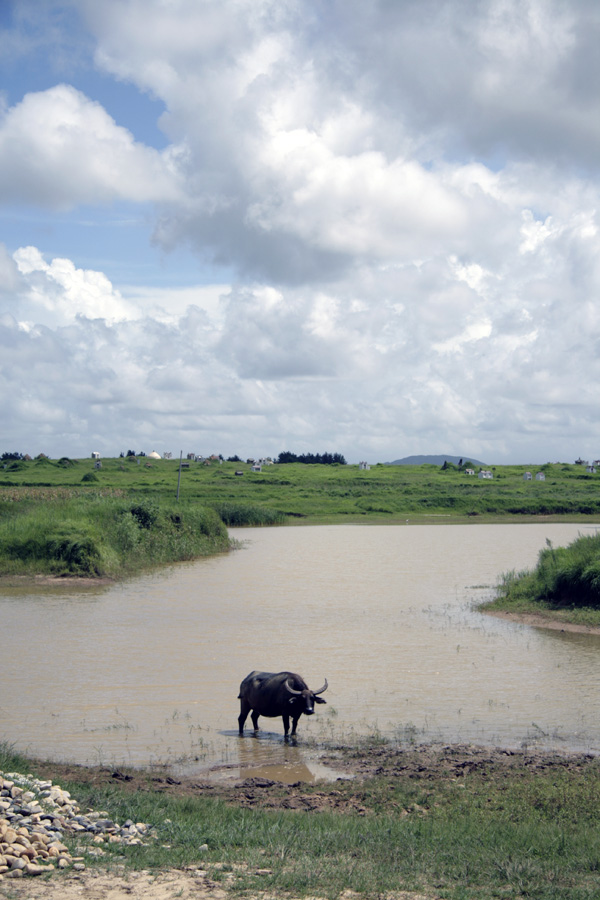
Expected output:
(189, 884)
(537, 620)
(97, 885)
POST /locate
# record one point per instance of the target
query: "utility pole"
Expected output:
(179, 477)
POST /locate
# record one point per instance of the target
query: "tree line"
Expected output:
(322, 459)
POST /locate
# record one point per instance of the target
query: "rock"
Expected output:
(35, 814)
(32, 869)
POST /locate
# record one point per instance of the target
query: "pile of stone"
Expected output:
(35, 817)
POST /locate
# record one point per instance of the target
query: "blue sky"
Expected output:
(250, 226)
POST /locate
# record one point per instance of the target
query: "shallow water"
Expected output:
(148, 671)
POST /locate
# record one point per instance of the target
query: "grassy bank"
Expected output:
(296, 492)
(565, 584)
(454, 823)
(103, 535)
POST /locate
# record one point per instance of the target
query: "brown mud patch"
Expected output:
(68, 581)
(346, 794)
(538, 620)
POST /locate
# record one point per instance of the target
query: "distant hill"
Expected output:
(434, 460)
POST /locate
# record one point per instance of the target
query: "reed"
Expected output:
(566, 580)
(96, 535)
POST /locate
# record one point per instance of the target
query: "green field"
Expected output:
(296, 492)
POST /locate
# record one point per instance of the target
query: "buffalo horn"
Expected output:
(324, 688)
(291, 689)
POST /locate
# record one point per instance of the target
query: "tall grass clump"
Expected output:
(564, 577)
(237, 516)
(104, 536)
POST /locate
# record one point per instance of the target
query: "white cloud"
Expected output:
(57, 292)
(407, 195)
(59, 149)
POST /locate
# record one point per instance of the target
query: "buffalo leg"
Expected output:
(244, 710)
(294, 724)
(254, 717)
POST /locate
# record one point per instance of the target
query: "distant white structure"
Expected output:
(485, 473)
(527, 476)
(540, 476)
(95, 454)
(154, 455)
(364, 466)
(590, 469)
(167, 455)
(469, 471)
(257, 467)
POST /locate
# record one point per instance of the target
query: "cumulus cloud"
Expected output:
(59, 149)
(406, 194)
(58, 292)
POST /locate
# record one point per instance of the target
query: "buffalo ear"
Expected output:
(320, 700)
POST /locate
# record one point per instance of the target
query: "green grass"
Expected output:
(93, 535)
(490, 834)
(564, 584)
(296, 492)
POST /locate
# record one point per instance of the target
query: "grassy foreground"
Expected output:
(452, 823)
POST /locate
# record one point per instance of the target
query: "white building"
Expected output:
(485, 473)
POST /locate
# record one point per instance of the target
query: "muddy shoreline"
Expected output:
(431, 765)
(354, 766)
(538, 620)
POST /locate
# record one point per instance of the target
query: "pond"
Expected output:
(148, 671)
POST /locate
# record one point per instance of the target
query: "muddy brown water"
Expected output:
(147, 672)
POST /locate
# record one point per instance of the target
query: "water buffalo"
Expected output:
(277, 694)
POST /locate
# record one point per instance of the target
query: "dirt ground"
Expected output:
(538, 620)
(427, 762)
(172, 885)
